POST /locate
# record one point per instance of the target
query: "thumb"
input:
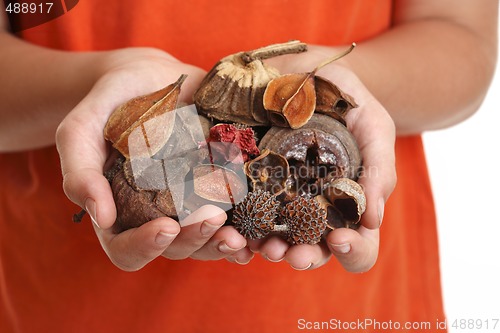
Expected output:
(82, 151)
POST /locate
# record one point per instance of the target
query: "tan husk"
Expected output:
(348, 198)
(232, 91)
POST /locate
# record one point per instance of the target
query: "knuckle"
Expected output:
(62, 132)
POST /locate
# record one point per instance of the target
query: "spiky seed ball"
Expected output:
(254, 216)
(305, 220)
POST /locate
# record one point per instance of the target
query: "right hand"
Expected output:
(128, 73)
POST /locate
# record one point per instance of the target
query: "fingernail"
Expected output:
(224, 248)
(302, 269)
(341, 248)
(163, 238)
(272, 260)
(91, 209)
(208, 228)
(381, 205)
(236, 261)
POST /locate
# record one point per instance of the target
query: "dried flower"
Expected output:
(242, 141)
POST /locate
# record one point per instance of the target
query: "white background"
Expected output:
(464, 166)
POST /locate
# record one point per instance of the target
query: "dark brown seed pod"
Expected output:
(254, 217)
(332, 101)
(134, 208)
(321, 150)
(232, 91)
(268, 172)
(304, 221)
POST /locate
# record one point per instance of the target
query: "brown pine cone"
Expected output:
(254, 216)
(305, 221)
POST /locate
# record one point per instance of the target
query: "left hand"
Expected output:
(374, 130)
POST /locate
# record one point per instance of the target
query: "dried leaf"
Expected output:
(132, 123)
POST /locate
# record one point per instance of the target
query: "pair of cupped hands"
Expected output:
(128, 73)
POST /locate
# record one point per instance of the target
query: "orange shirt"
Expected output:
(54, 276)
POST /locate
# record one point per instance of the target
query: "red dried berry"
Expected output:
(241, 137)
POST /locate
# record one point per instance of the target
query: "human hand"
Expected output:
(84, 154)
(374, 130)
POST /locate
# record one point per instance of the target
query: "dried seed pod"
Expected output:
(323, 144)
(254, 217)
(136, 207)
(291, 99)
(218, 184)
(304, 221)
(348, 198)
(334, 218)
(332, 101)
(232, 91)
(135, 114)
(268, 172)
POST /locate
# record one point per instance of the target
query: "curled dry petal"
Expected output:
(136, 116)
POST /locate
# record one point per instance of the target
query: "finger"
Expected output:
(82, 160)
(356, 250)
(242, 257)
(226, 241)
(193, 236)
(305, 256)
(133, 249)
(375, 133)
(273, 248)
